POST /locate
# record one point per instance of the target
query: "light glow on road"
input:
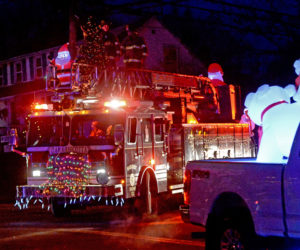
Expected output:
(94, 231)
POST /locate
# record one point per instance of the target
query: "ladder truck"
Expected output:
(149, 125)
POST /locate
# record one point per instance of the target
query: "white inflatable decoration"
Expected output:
(269, 107)
(297, 66)
(290, 90)
(296, 96)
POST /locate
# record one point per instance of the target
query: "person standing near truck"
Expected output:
(253, 130)
(133, 49)
(111, 45)
(245, 119)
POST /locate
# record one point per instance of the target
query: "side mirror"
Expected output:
(13, 140)
(10, 140)
(118, 134)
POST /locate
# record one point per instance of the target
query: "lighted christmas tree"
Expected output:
(92, 49)
(67, 175)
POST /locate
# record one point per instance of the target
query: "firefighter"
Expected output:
(133, 49)
(96, 130)
(111, 45)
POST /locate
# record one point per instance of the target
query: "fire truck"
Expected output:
(107, 138)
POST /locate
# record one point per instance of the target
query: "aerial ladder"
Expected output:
(194, 93)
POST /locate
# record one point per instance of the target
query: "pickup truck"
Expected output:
(239, 200)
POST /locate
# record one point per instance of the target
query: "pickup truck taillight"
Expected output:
(187, 186)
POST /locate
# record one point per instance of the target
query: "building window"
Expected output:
(18, 72)
(170, 58)
(39, 67)
(31, 68)
(24, 70)
(1, 75)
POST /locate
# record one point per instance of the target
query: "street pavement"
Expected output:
(95, 228)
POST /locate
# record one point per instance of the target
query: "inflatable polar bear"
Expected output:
(269, 107)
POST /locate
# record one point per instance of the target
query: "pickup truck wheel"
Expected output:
(58, 208)
(229, 232)
(231, 239)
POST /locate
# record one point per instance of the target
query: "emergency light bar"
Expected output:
(115, 104)
(43, 106)
(87, 100)
(90, 100)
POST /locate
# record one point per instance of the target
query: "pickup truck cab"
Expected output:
(238, 199)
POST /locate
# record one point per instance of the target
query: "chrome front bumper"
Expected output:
(36, 191)
(113, 195)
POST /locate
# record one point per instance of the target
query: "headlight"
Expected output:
(102, 176)
(36, 173)
(101, 171)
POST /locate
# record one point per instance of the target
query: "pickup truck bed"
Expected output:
(244, 198)
(258, 183)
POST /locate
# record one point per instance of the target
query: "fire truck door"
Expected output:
(133, 152)
(154, 155)
(160, 152)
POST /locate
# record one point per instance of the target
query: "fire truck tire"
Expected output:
(59, 209)
(147, 204)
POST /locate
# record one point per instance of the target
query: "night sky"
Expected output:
(255, 41)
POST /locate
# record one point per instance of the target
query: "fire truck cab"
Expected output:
(127, 159)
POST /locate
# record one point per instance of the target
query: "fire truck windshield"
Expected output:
(95, 129)
(49, 131)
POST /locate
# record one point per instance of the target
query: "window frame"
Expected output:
(18, 73)
(129, 142)
(170, 62)
(147, 121)
(162, 126)
(37, 68)
(1, 75)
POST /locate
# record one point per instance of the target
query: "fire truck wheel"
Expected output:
(59, 209)
(148, 202)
